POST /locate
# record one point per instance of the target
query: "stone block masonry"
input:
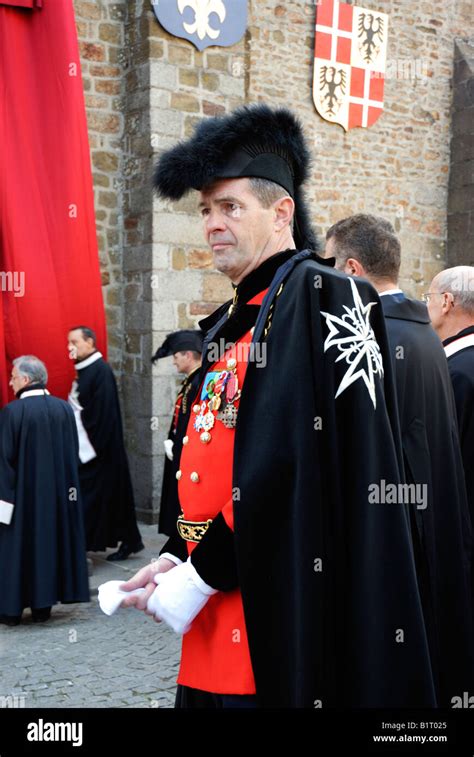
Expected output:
(461, 180)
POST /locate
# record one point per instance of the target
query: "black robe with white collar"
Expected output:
(105, 481)
(42, 549)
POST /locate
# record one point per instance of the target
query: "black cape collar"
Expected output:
(29, 388)
(261, 278)
(464, 332)
(405, 310)
(253, 284)
(224, 328)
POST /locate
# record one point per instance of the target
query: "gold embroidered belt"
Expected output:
(192, 530)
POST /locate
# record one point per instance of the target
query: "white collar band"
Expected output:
(35, 393)
(390, 291)
(459, 344)
(88, 361)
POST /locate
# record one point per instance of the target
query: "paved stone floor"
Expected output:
(82, 658)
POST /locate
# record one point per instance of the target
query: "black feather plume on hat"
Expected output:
(254, 141)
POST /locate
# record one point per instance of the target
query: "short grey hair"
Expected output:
(32, 368)
(267, 192)
(459, 281)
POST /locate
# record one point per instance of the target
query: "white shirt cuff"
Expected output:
(171, 557)
(179, 596)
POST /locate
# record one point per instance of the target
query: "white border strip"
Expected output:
(459, 344)
(6, 512)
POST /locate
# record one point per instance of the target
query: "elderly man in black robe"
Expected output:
(104, 473)
(42, 543)
(451, 308)
(366, 246)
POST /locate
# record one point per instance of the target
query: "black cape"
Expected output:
(169, 504)
(105, 481)
(42, 550)
(328, 581)
(440, 519)
(461, 369)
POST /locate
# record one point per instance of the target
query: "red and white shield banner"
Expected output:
(349, 63)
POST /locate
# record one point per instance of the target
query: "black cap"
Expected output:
(253, 142)
(180, 341)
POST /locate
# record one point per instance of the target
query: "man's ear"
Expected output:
(354, 268)
(447, 302)
(284, 211)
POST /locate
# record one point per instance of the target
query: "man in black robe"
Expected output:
(186, 347)
(103, 471)
(42, 544)
(326, 578)
(451, 308)
(366, 245)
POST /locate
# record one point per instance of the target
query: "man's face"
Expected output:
(79, 348)
(435, 305)
(17, 381)
(237, 227)
(180, 361)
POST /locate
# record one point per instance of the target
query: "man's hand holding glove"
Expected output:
(179, 596)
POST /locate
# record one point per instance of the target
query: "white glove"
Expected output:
(179, 597)
(110, 596)
(168, 445)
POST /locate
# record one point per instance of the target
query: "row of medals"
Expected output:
(222, 394)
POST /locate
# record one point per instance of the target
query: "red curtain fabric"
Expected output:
(49, 268)
(23, 3)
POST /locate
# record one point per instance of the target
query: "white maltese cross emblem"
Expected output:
(354, 337)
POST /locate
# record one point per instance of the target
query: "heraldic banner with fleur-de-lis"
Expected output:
(349, 63)
(203, 22)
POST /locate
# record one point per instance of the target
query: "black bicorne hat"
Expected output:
(254, 141)
(180, 341)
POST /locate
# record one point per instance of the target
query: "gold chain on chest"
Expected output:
(268, 323)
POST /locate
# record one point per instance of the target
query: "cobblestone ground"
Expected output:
(82, 658)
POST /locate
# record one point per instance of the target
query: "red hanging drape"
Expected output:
(48, 244)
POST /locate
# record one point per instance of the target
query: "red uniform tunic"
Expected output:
(215, 654)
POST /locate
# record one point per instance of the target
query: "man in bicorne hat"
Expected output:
(186, 347)
(290, 587)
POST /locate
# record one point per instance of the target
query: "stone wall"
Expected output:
(399, 167)
(461, 182)
(146, 89)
